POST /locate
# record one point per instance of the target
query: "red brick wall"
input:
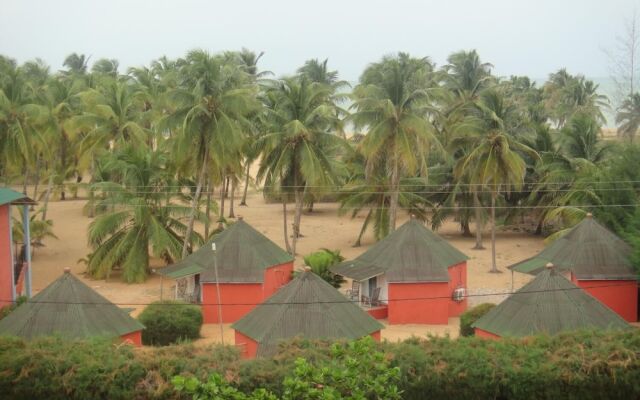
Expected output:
(485, 335)
(5, 257)
(404, 310)
(620, 296)
(247, 295)
(134, 338)
(457, 277)
(248, 347)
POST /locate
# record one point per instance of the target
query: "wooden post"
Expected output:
(27, 245)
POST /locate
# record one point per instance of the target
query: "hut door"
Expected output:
(373, 283)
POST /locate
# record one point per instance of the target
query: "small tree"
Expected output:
(170, 321)
(321, 261)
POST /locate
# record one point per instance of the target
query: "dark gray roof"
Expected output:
(242, 254)
(71, 309)
(549, 304)
(412, 253)
(589, 250)
(306, 306)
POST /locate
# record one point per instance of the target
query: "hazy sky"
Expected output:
(519, 37)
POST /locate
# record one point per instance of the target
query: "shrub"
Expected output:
(321, 260)
(170, 321)
(470, 316)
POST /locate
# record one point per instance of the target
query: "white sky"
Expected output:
(519, 37)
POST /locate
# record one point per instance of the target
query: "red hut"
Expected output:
(249, 268)
(549, 304)
(15, 266)
(308, 307)
(596, 260)
(420, 276)
(71, 309)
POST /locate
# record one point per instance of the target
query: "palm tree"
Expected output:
(298, 148)
(465, 77)
(628, 117)
(137, 220)
(76, 64)
(212, 97)
(106, 66)
(392, 102)
(20, 118)
(581, 139)
(495, 161)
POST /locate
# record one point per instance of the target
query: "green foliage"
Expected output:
(320, 261)
(472, 315)
(4, 311)
(575, 365)
(355, 370)
(169, 322)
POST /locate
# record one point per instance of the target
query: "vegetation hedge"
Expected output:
(577, 365)
(470, 316)
(167, 322)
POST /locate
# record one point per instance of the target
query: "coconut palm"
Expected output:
(212, 97)
(628, 117)
(581, 139)
(495, 161)
(392, 103)
(297, 150)
(136, 221)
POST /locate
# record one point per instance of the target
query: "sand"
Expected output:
(321, 229)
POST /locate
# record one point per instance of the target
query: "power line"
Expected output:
(508, 293)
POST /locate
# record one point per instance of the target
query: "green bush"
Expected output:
(167, 322)
(321, 260)
(470, 316)
(574, 365)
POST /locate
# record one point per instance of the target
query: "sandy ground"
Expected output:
(321, 229)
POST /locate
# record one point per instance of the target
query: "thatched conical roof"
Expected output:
(412, 253)
(242, 255)
(70, 308)
(306, 306)
(589, 250)
(549, 304)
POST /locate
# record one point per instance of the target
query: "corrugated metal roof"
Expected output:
(306, 306)
(9, 196)
(589, 250)
(412, 253)
(549, 304)
(242, 255)
(70, 308)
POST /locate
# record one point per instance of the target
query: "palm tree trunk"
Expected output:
(246, 185)
(395, 193)
(222, 197)
(233, 196)
(296, 218)
(284, 217)
(45, 206)
(479, 224)
(466, 230)
(26, 179)
(363, 229)
(194, 204)
(207, 222)
(35, 188)
(494, 267)
(226, 187)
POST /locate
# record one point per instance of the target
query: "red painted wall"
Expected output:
(376, 336)
(485, 335)
(457, 277)
(5, 257)
(248, 347)
(379, 312)
(275, 277)
(248, 295)
(245, 294)
(620, 296)
(419, 311)
(134, 338)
